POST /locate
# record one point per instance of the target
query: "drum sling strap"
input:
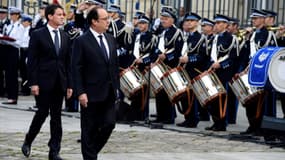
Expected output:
(223, 107)
(190, 99)
(259, 105)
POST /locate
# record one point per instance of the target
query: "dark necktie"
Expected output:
(103, 48)
(56, 42)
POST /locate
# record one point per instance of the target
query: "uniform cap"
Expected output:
(26, 17)
(168, 11)
(206, 21)
(114, 8)
(14, 10)
(143, 19)
(269, 13)
(3, 9)
(221, 18)
(192, 16)
(138, 14)
(96, 2)
(257, 13)
(234, 21)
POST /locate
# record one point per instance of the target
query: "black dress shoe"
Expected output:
(170, 121)
(249, 130)
(219, 128)
(204, 118)
(187, 124)
(10, 102)
(182, 124)
(210, 128)
(26, 149)
(54, 157)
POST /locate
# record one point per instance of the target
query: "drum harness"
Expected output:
(254, 47)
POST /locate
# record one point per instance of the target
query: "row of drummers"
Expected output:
(202, 73)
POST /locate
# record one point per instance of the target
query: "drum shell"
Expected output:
(155, 73)
(207, 87)
(242, 90)
(176, 82)
(132, 81)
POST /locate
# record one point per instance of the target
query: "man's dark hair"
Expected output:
(50, 9)
(93, 14)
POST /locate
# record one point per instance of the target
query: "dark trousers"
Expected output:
(2, 62)
(137, 111)
(253, 113)
(11, 71)
(23, 72)
(214, 110)
(193, 116)
(164, 108)
(270, 103)
(232, 106)
(48, 102)
(97, 124)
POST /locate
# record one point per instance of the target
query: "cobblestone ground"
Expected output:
(159, 141)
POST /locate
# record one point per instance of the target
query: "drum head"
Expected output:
(276, 71)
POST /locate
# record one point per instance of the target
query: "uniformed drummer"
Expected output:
(232, 102)
(123, 35)
(195, 56)
(270, 23)
(143, 53)
(168, 50)
(260, 38)
(207, 27)
(223, 55)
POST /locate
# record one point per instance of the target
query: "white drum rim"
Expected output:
(271, 77)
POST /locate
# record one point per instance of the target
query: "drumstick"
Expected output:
(161, 53)
(134, 62)
(197, 70)
(121, 68)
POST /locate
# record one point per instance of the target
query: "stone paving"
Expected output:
(132, 142)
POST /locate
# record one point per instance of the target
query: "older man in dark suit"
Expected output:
(96, 82)
(49, 77)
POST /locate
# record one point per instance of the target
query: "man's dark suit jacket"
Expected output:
(45, 66)
(93, 74)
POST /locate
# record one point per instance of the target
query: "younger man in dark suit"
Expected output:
(49, 72)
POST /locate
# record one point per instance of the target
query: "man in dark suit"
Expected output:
(96, 81)
(49, 77)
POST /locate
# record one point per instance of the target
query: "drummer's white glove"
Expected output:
(183, 59)
(216, 65)
(162, 56)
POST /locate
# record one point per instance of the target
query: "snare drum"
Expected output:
(241, 88)
(156, 72)
(207, 87)
(176, 82)
(131, 81)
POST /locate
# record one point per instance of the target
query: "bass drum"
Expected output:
(132, 81)
(207, 87)
(241, 88)
(276, 71)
